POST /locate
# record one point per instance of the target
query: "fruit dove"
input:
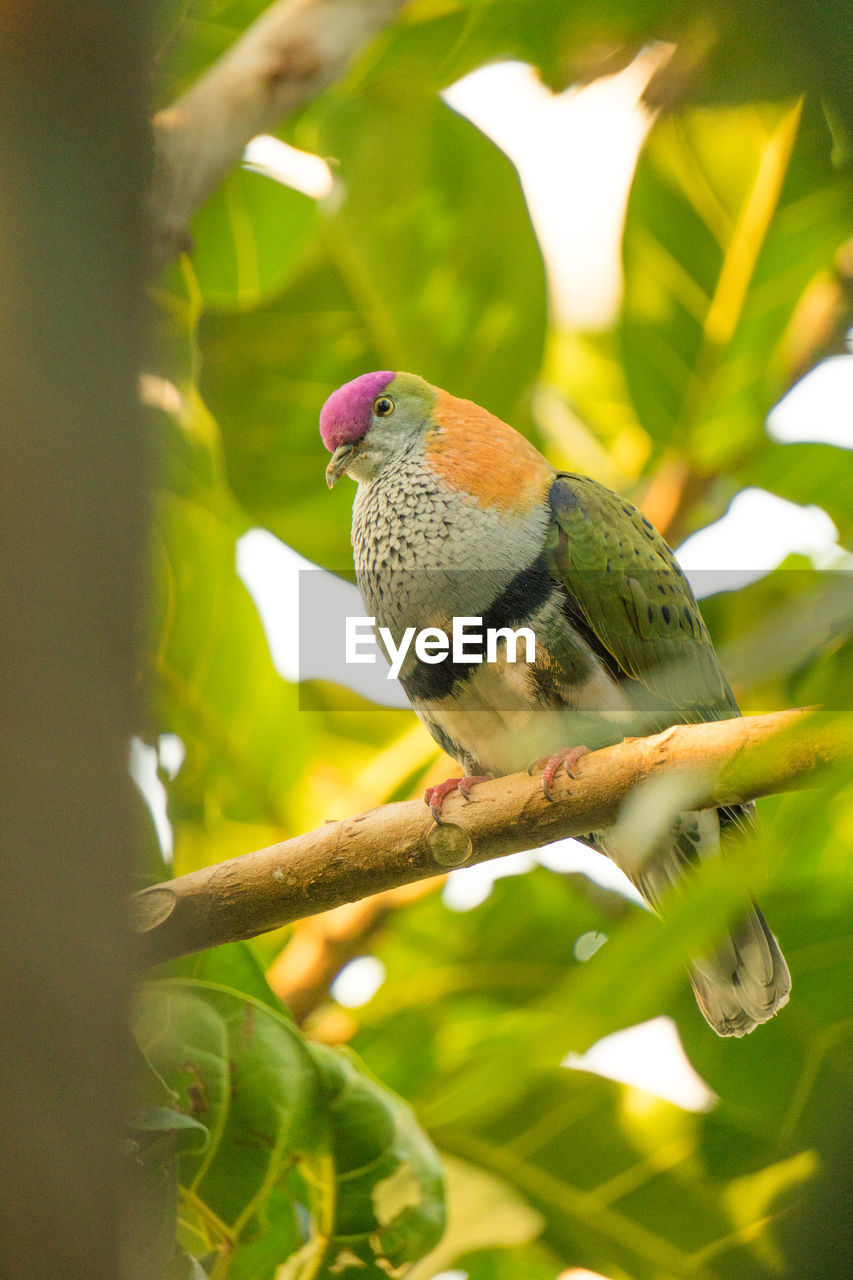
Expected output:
(457, 516)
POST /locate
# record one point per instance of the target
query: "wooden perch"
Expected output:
(726, 761)
(283, 60)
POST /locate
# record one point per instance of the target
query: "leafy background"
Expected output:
(293, 1150)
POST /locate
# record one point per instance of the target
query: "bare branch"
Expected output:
(283, 60)
(725, 762)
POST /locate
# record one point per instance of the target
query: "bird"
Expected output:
(458, 515)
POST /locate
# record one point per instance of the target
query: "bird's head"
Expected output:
(375, 420)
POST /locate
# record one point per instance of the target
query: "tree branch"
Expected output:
(283, 60)
(724, 762)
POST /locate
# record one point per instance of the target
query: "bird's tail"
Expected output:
(745, 981)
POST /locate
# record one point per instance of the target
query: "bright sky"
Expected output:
(575, 153)
(577, 206)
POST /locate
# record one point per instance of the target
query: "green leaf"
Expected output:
(731, 215)
(784, 633)
(429, 265)
(281, 1235)
(531, 1262)
(244, 1071)
(484, 1213)
(495, 967)
(248, 238)
(434, 42)
(819, 474)
(263, 1189)
(162, 1132)
(437, 41)
(389, 1206)
(217, 686)
(234, 965)
(615, 1176)
(190, 37)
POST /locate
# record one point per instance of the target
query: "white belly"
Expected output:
(496, 722)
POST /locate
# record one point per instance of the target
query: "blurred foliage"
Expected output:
(419, 185)
(285, 1149)
(278, 1156)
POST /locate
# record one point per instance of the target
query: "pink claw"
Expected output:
(434, 796)
(550, 766)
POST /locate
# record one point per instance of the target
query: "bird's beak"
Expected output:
(338, 464)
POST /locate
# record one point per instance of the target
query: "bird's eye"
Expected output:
(383, 406)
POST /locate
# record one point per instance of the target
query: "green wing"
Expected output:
(626, 588)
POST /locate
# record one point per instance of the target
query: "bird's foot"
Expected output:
(434, 796)
(550, 766)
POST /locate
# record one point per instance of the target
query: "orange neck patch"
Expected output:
(478, 454)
